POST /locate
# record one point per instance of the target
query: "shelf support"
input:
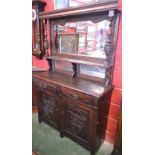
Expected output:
(76, 69)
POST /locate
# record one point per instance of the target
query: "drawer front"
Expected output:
(44, 86)
(76, 95)
(64, 92)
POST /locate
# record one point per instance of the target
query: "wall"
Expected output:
(111, 127)
(43, 63)
(117, 92)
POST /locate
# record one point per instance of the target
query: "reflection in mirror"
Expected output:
(92, 37)
(63, 65)
(62, 4)
(76, 3)
(68, 43)
(92, 71)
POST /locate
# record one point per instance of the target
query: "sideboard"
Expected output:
(72, 94)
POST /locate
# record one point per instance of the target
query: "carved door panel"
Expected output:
(49, 108)
(76, 122)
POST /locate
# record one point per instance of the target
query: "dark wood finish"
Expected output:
(95, 15)
(78, 60)
(110, 42)
(77, 84)
(39, 4)
(70, 102)
(39, 28)
(72, 106)
(34, 91)
(34, 100)
(49, 108)
(82, 10)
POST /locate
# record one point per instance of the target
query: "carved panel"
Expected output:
(37, 83)
(49, 108)
(77, 121)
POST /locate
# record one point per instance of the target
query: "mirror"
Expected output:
(88, 38)
(94, 71)
(63, 65)
(62, 4)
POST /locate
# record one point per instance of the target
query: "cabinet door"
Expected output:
(49, 108)
(76, 122)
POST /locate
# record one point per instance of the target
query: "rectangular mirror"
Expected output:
(85, 37)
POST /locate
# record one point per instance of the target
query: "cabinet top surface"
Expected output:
(95, 89)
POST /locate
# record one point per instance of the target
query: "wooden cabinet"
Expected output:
(72, 93)
(73, 109)
(34, 100)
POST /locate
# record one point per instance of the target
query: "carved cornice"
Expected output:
(93, 8)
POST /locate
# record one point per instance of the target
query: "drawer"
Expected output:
(73, 94)
(38, 84)
(64, 92)
(44, 86)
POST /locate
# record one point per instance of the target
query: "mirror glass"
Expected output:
(82, 37)
(63, 65)
(92, 71)
(62, 4)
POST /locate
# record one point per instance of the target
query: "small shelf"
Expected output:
(78, 61)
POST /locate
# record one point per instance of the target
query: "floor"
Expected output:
(47, 141)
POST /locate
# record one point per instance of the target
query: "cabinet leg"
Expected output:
(92, 153)
(61, 134)
(39, 119)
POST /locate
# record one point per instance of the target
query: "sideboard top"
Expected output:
(95, 89)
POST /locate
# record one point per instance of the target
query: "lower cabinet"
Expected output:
(73, 113)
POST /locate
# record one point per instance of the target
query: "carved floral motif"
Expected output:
(49, 107)
(77, 121)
